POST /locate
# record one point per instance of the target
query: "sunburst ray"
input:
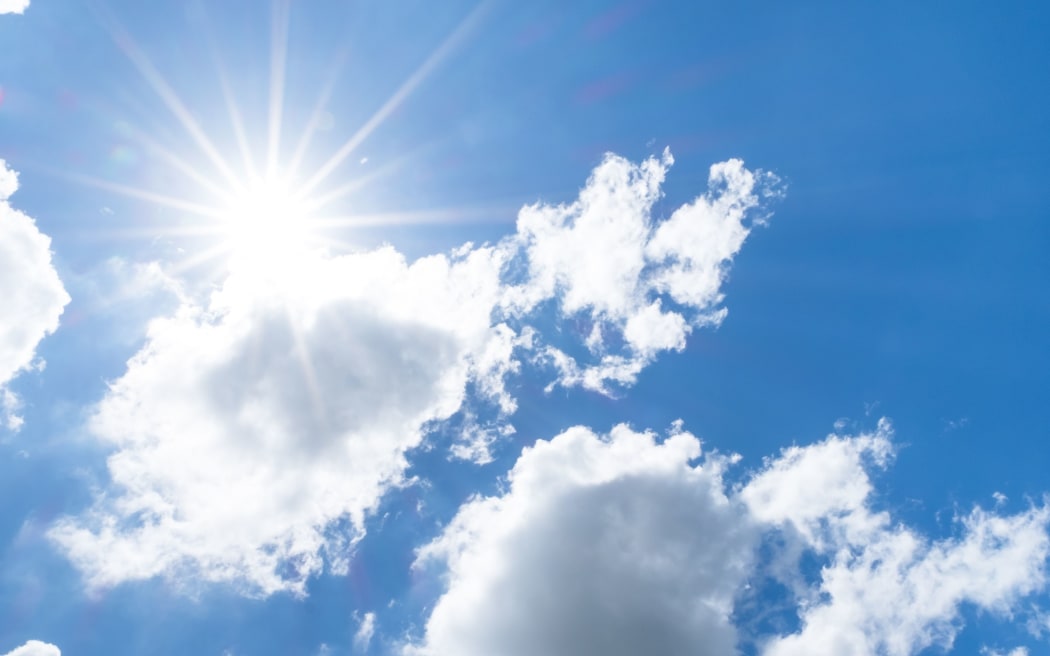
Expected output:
(450, 43)
(318, 112)
(280, 17)
(171, 100)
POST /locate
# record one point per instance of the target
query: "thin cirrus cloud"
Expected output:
(258, 427)
(627, 543)
(33, 294)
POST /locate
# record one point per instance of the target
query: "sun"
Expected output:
(266, 223)
(263, 218)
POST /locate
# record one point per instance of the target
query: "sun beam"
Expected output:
(262, 218)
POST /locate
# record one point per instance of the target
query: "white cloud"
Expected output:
(822, 490)
(624, 544)
(253, 432)
(899, 592)
(255, 429)
(10, 406)
(30, 289)
(1016, 651)
(35, 648)
(643, 283)
(476, 440)
(365, 630)
(887, 589)
(602, 545)
(13, 7)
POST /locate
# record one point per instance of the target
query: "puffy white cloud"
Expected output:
(256, 428)
(35, 648)
(592, 251)
(822, 490)
(601, 545)
(628, 544)
(33, 296)
(643, 283)
(888, 589)
(899, 592)
(252, 433)
(12, 7)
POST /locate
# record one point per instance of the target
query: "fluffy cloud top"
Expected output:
(33, 294)
(247, 429)
(13, 6)
(256, 428)
(888, 589)
(601, 546)
(642, 283)
(822, 489)
(35, 648)
(625, 544)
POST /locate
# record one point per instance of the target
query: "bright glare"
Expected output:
(267, 224)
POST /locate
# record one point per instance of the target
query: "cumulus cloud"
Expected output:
(626, 544)
(642, 283)
(887, 589)
(254, 432)
(13, 6)
(35, 648)
(31, 290)
(822, 491)
(257, 428)
(587, 553)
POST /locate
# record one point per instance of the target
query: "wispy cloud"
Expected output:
(365, 630)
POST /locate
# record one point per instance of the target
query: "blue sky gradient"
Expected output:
(894, 266)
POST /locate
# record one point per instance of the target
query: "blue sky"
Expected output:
(523, 328)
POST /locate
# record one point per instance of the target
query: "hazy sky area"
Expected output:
(543, 328)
